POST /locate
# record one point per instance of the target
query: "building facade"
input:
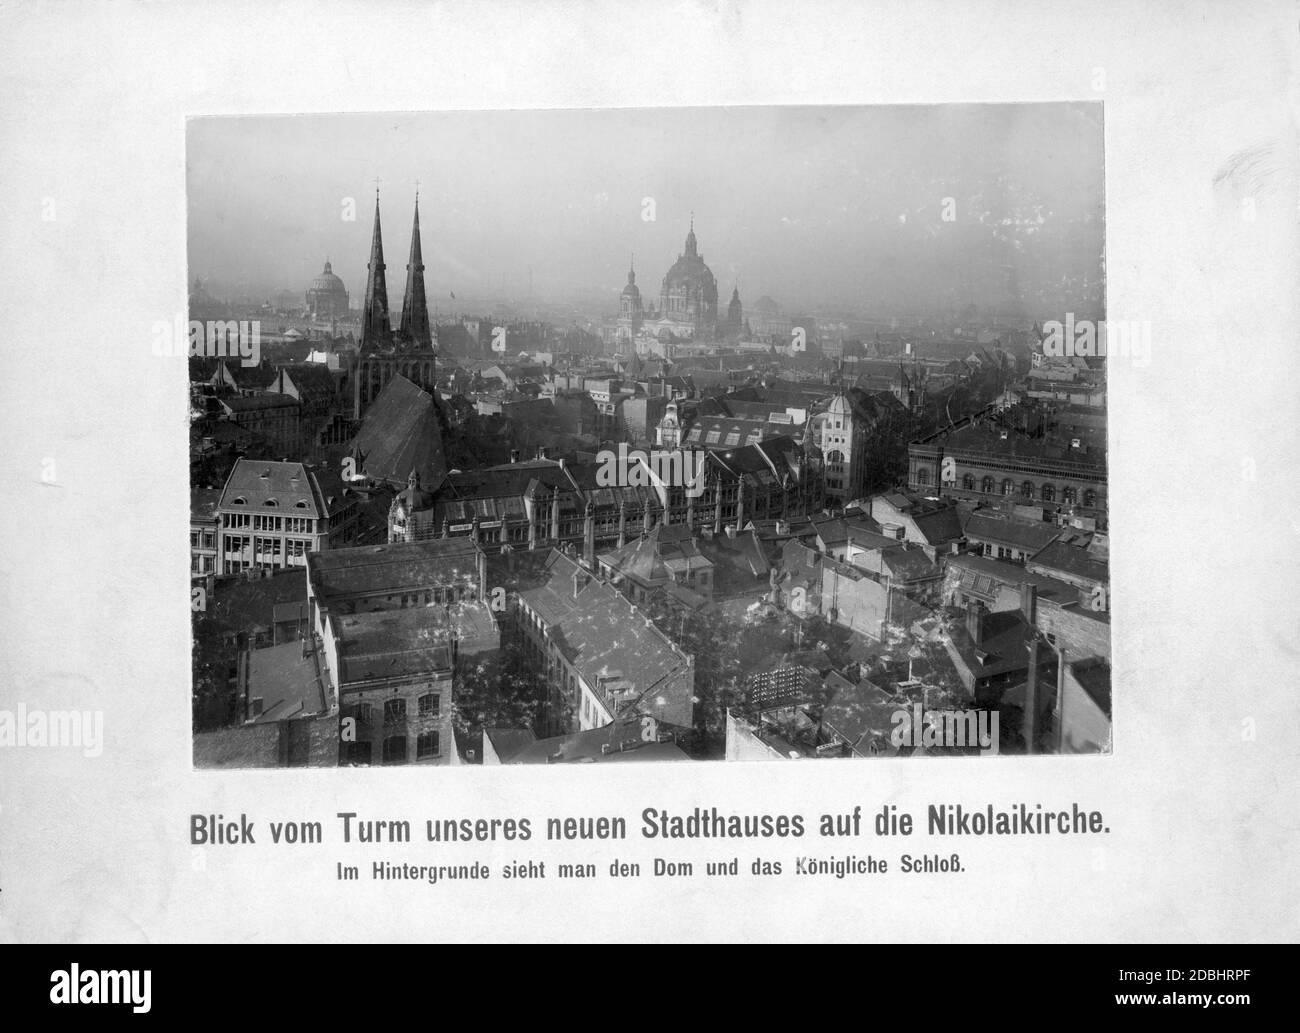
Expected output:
(987, 463)
(394, 622)
(272, 515)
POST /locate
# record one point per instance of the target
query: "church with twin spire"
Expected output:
(409, 350)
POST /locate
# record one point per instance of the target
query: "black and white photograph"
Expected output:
(707, 434)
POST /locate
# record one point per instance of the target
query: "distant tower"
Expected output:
(375, 327)
(630, 313)
(414, 330)
(735, 316)
(668, 433)
(842, 439)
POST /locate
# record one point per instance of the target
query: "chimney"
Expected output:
(1029, 602)
(257, 706)
(731, 530)
(975, 614)
(1031, 697)
(514, 455)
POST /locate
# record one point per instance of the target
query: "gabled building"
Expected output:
(933, 524)
(272, 417)
(998, 534)
(273, 514)
(662, 556)
(603, 659)
(545, 503)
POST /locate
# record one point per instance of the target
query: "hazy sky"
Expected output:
(812, 205)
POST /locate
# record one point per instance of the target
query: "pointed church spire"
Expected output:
(690, 237)
(414, 328)
(375, 327)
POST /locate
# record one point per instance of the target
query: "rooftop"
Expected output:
(610, 642)
(401, 432)
(1028, 536)
(288, 680)
(1070, 555)
(260, 484)
(393, 568)
(392, 644)
(619, 741)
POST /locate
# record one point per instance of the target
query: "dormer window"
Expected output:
(270, 502)
(300, 504)
(241, 501)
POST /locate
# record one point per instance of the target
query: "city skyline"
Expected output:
(829, 220)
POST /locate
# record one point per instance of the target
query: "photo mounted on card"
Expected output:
(520, 437)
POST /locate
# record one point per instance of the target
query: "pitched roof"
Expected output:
(401, 433)
(983, 577)
(392, 568)
(303, 490)
(1093, 675)
(619, 741)
(1029, 536)
(658, 555)
(392, 644)
(507, 742)
(1003, 648)
(1070, 558)
(253, 403)
(607, 639)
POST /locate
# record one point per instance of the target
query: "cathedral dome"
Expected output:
(327, 281)
(689, 270)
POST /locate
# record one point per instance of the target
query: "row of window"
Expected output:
(428, 705)
(1045, 492)
(393, 749)
(258, 522)
(241, 501)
